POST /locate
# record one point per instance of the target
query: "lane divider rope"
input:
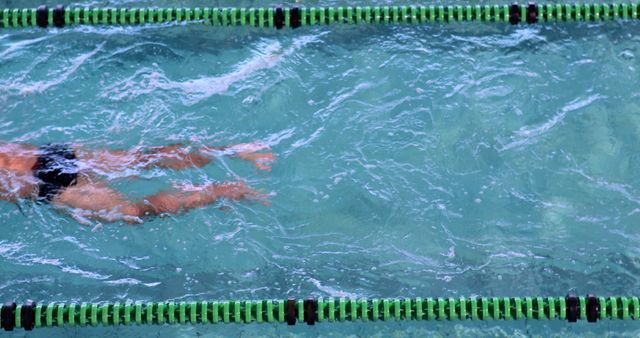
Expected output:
(310, 311)
(294, 17)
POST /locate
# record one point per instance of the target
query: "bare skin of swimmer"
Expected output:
(94, 196)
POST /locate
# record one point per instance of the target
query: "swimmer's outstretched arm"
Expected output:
(177, 156)
(98, 201)
(248, 152)
(196, 197)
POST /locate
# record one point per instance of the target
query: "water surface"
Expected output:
(413, 161)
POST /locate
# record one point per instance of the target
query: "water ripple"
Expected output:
(526, 136)
(38, 87)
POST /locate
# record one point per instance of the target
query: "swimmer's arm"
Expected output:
(6, 194)
(100, 203)
(245, 151)
(14, 187)
(95, 219)
(233, 149)
(8, 197)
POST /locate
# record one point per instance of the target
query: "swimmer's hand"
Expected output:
(262, 161)
(248, 152)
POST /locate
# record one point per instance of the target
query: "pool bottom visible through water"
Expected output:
(412, 161)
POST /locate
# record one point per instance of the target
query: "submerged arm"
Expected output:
(97, 201)
(247, 152)
(14, 186)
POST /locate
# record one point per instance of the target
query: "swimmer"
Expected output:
(67, 176)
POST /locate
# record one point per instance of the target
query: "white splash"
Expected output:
(41, 86)
(197, 90)
(331, 291)
(530, 135)
(19, 45)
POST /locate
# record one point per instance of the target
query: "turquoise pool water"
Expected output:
(454, 160)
